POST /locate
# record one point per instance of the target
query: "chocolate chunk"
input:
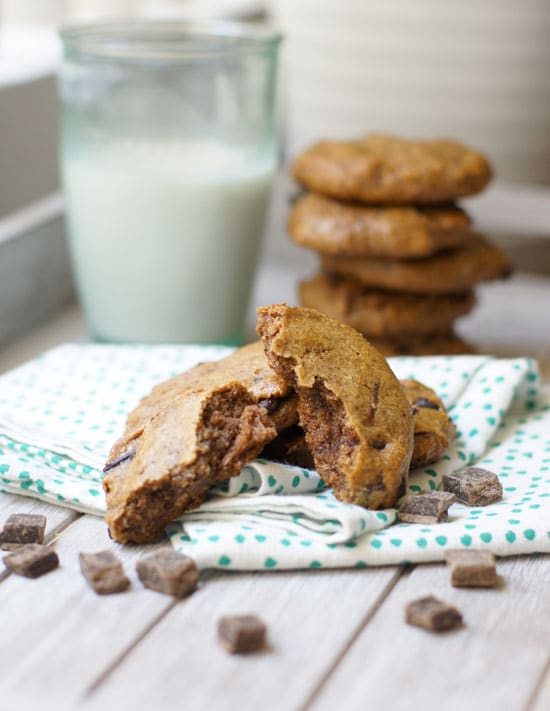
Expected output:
(168, 572)
(241, 633)
(22, 528)
(426, 507)
(472, 569)
(432, 614)
(104, 573)
(424, 402)
(474, 486)
(126, 457)
(32, 560)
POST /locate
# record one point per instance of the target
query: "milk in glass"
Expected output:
(165, 238)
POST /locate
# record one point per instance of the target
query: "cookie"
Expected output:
(444, 273)
(290, 447)
(384, 313)
(387, 169)
(433, 429)
(439, 344)
(247, 365)
(396, 232)
(433, 432)
(356, 418)
(193, 431)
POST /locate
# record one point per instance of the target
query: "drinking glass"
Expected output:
(169, 146)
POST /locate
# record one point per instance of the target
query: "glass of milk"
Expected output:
(169, 146)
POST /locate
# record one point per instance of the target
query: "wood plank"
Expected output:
(57, 634)
(540, 699)
(311, 617)
(494, 662)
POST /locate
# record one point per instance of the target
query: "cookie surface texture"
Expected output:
(433, 429)
(384, 313)
(387, 169)
(192, 432)
(356, 418)
(394, 232)
(447, 272)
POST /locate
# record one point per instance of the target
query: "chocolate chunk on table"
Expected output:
(426, 507)
(432, 614)
(32, 560)
(168, 572)
(474, 486)
(472, 569)
(22, 528)
(103, 572)
(241, 633)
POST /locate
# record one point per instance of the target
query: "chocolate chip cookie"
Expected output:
(447, 272)
(356, 418)
(395, 232)
(387, 169)
(433, 432)
(384, 313)
(193, 431)
(433, 428)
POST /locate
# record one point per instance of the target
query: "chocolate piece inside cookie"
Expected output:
(356, 418)
(433, 428)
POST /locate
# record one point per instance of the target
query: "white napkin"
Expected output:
(60, 413)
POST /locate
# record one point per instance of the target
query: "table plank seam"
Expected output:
(532, 700)
(103, 676)
(371, 612)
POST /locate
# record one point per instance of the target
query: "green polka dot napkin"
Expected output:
(60, 413)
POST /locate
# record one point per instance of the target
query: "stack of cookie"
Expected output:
(399, 260)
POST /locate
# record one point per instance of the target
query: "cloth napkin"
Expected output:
(60, 413)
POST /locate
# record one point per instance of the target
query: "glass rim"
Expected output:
(143, 40)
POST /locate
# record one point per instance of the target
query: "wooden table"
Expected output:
(337, 639)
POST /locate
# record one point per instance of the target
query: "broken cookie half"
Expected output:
(356, 418)
(193, 431)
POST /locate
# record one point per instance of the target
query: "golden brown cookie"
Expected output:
(437, 344)
(384, 313)
(433, 432)
(193, 431)
(433, 428)
(356, 418)
(388, 169)
(247, 365)
(447, 272)
(396, 232)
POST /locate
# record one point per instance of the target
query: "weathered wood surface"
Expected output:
(493, 662)
(337, 638)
